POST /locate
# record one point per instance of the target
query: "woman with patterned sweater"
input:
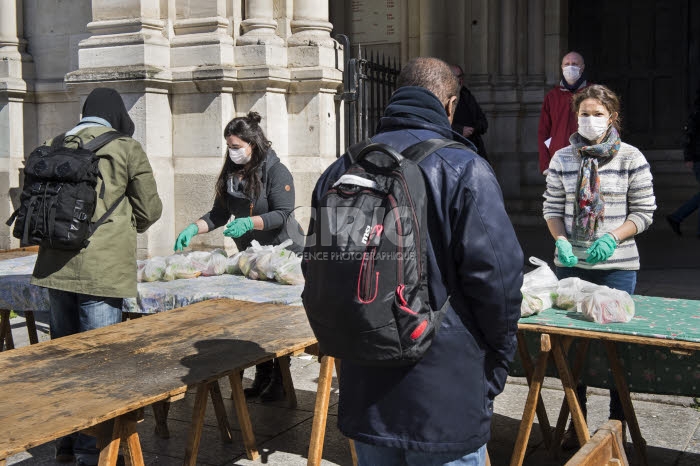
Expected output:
(599, 196)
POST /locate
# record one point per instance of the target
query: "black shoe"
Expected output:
(64, 450)
(262, 380)
(675, 225)
(274, 391)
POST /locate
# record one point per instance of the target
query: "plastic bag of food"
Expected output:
(249, 257)
(179, 270)
(220, 251)
(571, 292)
(232, 266)
(289, 272)
(268, 261)
(199, 259)
(140, 266)
(606, 305)
(216, 265)
(154, 269)
(539, 288)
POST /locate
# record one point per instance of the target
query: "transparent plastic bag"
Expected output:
(571, 292)
(154, 269)
(606, 305)
(249, 257)
(539, 288)
(199, 259)
(289, 271)
(140, 266)
(216, 265)
(232, 266)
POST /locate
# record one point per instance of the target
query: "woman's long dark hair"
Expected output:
(248, 129)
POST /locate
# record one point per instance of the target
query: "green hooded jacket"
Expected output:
(107, 266)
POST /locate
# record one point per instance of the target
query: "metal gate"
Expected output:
(367, 86)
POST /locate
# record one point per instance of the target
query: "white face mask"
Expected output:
(239, 156)
(571, 73)
(592, 127)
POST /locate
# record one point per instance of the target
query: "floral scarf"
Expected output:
(589, 210)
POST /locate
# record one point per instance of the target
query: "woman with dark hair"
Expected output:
(599, 197)
(258, 190)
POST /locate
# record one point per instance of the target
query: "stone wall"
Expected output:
(184, 70)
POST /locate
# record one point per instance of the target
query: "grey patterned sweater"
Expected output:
(626, 187)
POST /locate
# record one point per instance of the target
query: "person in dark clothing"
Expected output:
(469, 119)
(258, 190)
(438, 411)
(691, 155)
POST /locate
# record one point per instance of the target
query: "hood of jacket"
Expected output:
(418, 108)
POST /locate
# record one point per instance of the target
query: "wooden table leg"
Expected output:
(31, 327)
(6, 340)
(239, 403)
(124, 430)
(533, 395)
(195, 434)
(640, 445)
(570, 391)
(287, 381)
(529, 371)
(323, 395)
(579, 363)
(220, 411)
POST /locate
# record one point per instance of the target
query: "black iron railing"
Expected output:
(368, 84)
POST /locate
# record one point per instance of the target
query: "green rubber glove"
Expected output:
(602, 249)
(185, 236)
(566, 253)
(239, 227)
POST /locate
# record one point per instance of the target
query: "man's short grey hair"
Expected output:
(431, 73)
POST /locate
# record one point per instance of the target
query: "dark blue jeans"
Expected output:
(692, 204)
(625, 280)
(373, 455)
(74, 313)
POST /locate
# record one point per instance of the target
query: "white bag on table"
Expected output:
(538, 288)
(606, 305)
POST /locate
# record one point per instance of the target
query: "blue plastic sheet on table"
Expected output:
(18, 294)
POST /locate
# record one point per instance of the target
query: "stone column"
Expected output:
(476, 67)
(201, 34)
(315, 65)
(310, 26)
(507, 44)
(556, 31)
(432, 28)
(128, 51)
(535, 42)
(13, 90)
(260, 43)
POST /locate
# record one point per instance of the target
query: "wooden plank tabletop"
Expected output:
(57, 387)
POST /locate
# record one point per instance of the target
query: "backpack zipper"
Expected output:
(364, 281)
(416, 226)
(399, 240)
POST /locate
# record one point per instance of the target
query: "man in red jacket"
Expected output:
(557, 121)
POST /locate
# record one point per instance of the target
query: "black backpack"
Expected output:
(59, 197)
(366, 293)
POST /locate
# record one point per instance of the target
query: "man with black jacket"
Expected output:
(469, 120)
(439, 410)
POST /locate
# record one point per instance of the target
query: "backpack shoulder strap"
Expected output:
(100, 141)
(421, 150)
(354, 150)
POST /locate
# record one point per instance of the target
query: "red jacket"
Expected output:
(557, 121)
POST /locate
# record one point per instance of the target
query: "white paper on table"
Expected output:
(548, 142)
